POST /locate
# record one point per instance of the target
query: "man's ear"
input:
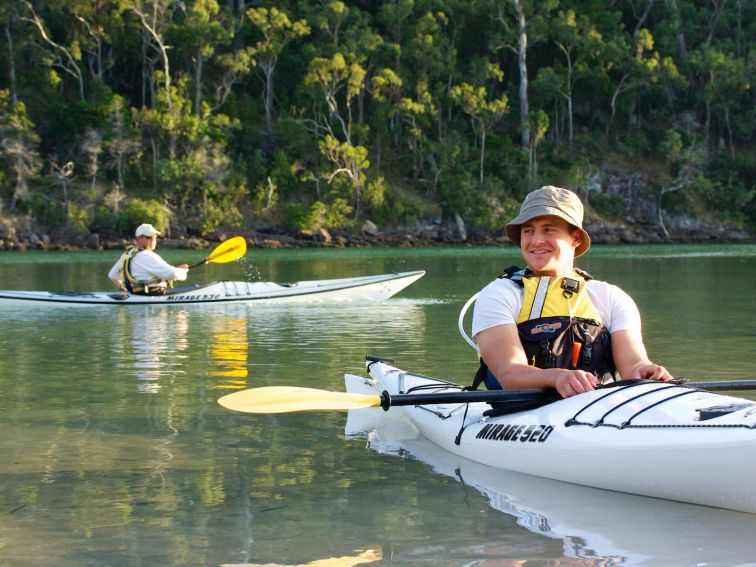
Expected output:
(577, 238)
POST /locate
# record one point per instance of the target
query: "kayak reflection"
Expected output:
(594, 524)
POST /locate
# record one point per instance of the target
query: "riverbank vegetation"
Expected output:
(309, 117)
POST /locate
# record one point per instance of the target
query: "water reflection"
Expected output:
(151, 344)
(229, 351)
(593, 525)
(360, 557)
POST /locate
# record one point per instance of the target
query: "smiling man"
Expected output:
(550, 325)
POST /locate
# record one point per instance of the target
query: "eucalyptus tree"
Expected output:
(155, 17)
(18, 146)
(429, 70)
(201, 31)
(338, 83)
(197, 179)
(337, 80)
(120, 142)
(7, 14)
(58, 57)
(726, 80)
(538, 126)
(97, 28)
(578, 41)
(91, 147)
(685, 161)
(523, 24)
(484, 110)
(639, 66)
(277, 30)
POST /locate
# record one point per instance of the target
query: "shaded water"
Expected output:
(113, 450)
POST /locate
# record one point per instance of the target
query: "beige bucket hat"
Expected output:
(550, 200)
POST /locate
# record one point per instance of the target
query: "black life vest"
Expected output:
(558, 326)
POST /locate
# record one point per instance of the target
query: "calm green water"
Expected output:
(114, 451)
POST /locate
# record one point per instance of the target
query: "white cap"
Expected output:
(146, 230)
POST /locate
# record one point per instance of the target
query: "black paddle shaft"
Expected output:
(463, 397)
(471, 396)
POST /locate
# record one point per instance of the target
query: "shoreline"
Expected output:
(423, 236)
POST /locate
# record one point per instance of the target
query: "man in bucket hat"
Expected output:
(140, 270)
(550, 325)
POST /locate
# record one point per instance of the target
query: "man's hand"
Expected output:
(653, 372)
(571, 382)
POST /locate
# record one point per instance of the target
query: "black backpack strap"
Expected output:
(515, 274)
(480, 376)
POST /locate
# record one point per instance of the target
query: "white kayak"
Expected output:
(363, 288)
(647, 438)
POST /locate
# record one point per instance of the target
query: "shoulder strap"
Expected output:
(515, 274)
(128, 279)
(586, 275)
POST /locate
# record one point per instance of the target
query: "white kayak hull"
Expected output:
(645, 439)
(364, 288)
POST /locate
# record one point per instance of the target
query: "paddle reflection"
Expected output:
(229, 351)
(361, 557)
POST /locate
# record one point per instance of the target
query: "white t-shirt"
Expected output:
(499, 303)
(146, 265)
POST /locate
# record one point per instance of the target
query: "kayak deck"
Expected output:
(363, 288)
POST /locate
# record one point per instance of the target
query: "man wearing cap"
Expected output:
(550, 325)
(140, 270)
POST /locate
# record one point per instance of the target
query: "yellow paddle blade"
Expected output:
(228, 251)
(282, 399)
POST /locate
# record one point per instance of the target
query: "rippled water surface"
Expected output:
(114, 450)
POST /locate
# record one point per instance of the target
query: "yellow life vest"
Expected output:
(155, 286)
(559, 326)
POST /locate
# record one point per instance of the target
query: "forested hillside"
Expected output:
(200, 115)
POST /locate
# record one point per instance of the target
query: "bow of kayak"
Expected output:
(648, 438)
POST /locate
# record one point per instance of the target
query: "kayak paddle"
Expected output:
(227, 251)
(282, 399)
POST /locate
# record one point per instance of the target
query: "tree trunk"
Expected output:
(522, 54)
(198, 82)
(482, 152)
(11, 66)
(269, 69)
(729, 131)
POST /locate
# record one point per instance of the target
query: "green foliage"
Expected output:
(46, 212)
(730, 200)
(401, 207)
(386, 109)
(138, 211)
(607, 205)
(493, 207)
(319, 215)
(79, 218)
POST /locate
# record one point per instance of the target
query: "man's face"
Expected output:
(548, 245)
(147, 242)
